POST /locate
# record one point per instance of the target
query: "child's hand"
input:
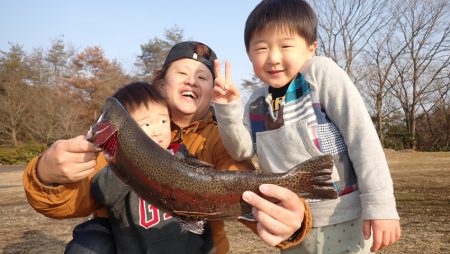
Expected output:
(385, 233)
(224, 91)
(276, 221)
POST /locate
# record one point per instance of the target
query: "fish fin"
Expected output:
(247, 217)
(194, 226)
(194, 214)
(197, 163)
(321, 192)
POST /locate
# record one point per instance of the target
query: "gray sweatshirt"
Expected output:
(322, 113)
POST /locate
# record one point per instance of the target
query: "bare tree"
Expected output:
(433, 127)
(381, 53)
(345, 27)
(54, 114)
(444, 107)
(15, 94)
(425, 28)
(94, 77)
(58, 58)
(68, 116)
(395, 51)
(39, 69)
(56, 117)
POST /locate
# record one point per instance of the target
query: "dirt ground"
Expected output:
(422, 189)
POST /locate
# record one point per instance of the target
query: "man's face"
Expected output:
(188, 86)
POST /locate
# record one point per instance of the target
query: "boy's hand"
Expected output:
(224, 91)
(276, 222)
(67, 161)
(385, 233)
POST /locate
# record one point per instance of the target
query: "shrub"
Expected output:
(21, 154)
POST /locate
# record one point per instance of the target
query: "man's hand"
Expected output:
(276, 222)
(67, 161)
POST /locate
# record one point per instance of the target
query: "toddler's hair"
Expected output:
(137, 94)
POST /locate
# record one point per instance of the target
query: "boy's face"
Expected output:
(188, 86)
(277, 55)
(155, 121)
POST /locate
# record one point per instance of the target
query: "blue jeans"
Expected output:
(92, 237)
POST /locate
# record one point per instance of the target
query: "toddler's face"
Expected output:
(155, 121)
(278, 55)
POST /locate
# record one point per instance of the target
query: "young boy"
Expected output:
(137, 226)
(310, 107)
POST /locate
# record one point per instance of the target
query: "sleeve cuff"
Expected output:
(301, 233)
(39, 184)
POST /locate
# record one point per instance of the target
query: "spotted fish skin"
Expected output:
(189, 189)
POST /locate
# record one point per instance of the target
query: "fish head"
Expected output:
(103, 133)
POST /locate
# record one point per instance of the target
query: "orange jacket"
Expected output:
(201, 139)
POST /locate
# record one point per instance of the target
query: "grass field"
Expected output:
(422, 190)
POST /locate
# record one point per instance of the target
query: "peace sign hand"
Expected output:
(224, 91)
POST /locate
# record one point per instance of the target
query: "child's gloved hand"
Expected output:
(224, 91)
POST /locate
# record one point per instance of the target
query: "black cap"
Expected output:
(192, 50)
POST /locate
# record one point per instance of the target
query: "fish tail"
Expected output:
(322, 192)
(319, 185)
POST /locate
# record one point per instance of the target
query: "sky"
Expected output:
(120, 27)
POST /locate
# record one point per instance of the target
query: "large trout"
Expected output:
(189, 189)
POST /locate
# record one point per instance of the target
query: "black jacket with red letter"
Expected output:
(140, 227)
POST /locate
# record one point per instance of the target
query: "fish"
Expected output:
(189, 189)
